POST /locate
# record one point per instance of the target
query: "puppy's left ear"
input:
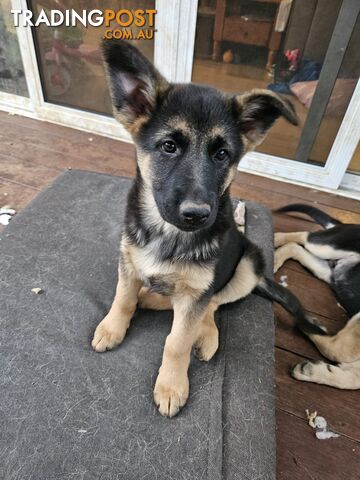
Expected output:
(135, 84)
(258, 111)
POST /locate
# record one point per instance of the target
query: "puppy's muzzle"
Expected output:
(193, 213)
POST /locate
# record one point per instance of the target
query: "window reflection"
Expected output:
(70, 60)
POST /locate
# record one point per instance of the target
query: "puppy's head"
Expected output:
(189, 138)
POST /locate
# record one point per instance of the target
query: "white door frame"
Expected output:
(173, 55)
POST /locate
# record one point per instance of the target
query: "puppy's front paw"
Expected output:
(106, 337)
(171, 395)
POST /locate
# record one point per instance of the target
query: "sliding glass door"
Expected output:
(307, 51)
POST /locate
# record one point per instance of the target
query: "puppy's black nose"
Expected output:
(192, 212)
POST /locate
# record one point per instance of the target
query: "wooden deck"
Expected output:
(33, 153)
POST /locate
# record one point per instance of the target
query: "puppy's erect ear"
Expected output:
(259, 110)
(135, 84)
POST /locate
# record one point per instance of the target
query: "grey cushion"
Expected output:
(67, 412)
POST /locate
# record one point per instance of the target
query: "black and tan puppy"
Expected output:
(180, 238)
(333, 255)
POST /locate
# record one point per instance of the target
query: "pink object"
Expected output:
(292, 57)
(339, 99)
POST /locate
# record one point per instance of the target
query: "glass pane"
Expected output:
(339, 99)
(278, 45)
(70, 60)
(12, 78)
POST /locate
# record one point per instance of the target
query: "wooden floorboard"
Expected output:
(300, 456)
(278, 199)
(297, 192)
(33, 153)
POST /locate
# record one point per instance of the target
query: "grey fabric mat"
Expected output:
(69, 413)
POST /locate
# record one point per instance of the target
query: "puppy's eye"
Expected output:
(168, 147)
(221, 155)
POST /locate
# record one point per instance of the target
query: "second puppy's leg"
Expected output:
(293, 251)
(281, 238)
(344, 376)
(342, 347)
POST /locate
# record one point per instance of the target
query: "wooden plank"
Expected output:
(52, 131)
(279, 199)
(301, 456)
(15, 195)
(339, 407)
(298, 192)
(26, 173)
(45, 156)
(68, 146)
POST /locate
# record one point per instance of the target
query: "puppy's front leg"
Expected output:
(207, 341)
(172, 385)
(112, 329)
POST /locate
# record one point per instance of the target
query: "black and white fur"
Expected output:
(332, 255)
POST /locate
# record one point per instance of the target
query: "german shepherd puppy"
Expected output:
(333, 255)
(180, 247)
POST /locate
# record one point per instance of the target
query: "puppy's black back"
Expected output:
(341, 237)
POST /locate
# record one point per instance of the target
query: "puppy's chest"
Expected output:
(169, 277)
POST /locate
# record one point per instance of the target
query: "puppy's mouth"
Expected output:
(193, 226)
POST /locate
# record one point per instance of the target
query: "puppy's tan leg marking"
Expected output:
(112, 329)
(208, 336)
(207, 342)
(241, 284)
(172, 385)
(342, 347)
(283, 238)
(153, 301)
(344, 375)
(320, 268)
